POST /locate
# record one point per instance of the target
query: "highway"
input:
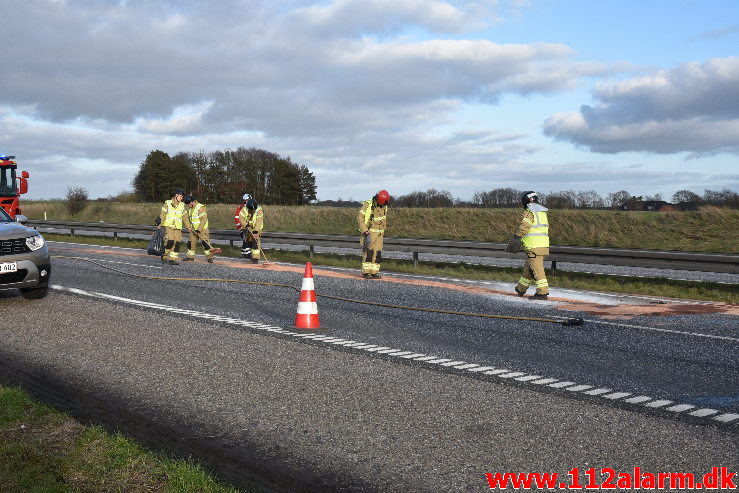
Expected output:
(378, 398)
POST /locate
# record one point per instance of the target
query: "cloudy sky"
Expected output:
(458, 95)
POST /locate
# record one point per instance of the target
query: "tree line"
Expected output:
(224, 176)
(569, 199)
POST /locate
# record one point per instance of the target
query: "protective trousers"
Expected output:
(252, 245)
(372, 253)
(204, 237)
(533, 272)
(172, 240)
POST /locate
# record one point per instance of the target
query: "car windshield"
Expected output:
(7, 182)
(4, 216)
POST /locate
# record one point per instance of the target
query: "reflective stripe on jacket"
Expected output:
(173, 214)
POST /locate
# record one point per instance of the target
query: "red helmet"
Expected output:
(382, 197)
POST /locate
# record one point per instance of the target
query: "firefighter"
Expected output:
(372, 220)
(245, 248)
(533, 236)
(199, 222)
(172, 217)
(251, 218)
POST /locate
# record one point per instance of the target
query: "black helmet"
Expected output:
(251, 204)
(179, 191)
(528, 197)
(189, 199)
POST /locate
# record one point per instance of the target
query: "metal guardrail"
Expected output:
(659, 259)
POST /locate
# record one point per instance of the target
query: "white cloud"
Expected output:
(693, 107)
(360, 17)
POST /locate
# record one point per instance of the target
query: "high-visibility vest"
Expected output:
(173, 217)
(254, 220)
(369, 217)
(195, 217)
(538, 235)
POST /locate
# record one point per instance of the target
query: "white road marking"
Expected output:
(680, 408)
(585, 389)
(669, 331)
(658, 403)
(560, 385)
(579, 388)
(617, 395)
(701, 413)
(727, 417)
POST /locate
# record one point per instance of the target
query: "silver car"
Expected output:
(24, 258)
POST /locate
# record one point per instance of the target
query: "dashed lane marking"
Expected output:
(462, 367)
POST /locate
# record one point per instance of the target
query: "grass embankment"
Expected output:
(699, 231)
(43, 450)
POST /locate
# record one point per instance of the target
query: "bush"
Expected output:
(76, 199)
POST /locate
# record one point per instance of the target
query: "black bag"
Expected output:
(514, 244)
(156, 243)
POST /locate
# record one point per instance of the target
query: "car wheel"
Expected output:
(34, 293)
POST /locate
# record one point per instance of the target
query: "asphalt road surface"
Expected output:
(378, 398)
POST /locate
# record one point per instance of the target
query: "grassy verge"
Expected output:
(687, 231)
(43, 450)
(693, 290)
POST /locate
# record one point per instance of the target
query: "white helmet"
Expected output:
(246, 197)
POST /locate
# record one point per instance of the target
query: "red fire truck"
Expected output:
(9, 190)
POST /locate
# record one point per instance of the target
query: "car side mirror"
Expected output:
(21, 218)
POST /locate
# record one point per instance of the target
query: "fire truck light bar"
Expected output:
(3, 157)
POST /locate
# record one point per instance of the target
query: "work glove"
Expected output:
(365, 233)
(197, 231)
(514, 244)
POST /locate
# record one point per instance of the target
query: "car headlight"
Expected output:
(35, 242)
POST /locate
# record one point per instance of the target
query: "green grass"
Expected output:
(43, 450)
(693, 290)
(688, 231)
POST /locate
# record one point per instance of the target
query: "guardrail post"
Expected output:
(115, 235)
(312, 251)
(71, 231)
(554, 267)
(415, 260)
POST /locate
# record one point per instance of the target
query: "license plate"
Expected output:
(6, 267)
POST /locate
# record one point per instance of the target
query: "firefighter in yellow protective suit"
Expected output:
(533, 234)
(173, 217)
(372, 220)
(251, 218)
(199, 222)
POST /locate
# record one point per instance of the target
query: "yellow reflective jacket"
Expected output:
(173, 215)
(534, 227)
(198, 217)
(252, 220)
(372, 217)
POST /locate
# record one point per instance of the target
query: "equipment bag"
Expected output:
(514, 244)
(156, 243)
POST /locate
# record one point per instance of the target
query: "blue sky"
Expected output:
(405, 95)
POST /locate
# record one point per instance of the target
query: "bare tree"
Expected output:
(684, 196)
(617, 200)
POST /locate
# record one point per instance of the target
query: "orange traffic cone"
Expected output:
(307, 316)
